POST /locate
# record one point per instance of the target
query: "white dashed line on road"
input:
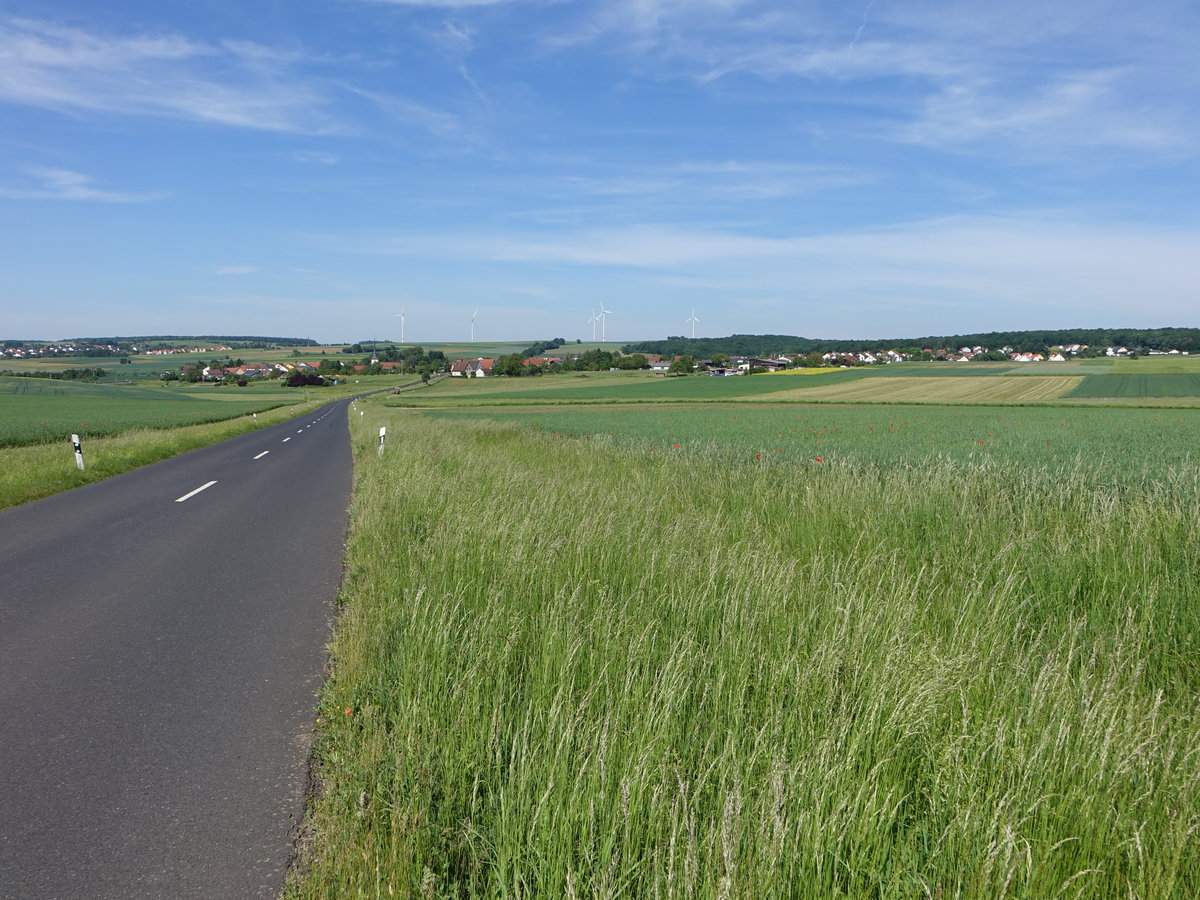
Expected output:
(261, 455)
(285, 440)
(191, 494)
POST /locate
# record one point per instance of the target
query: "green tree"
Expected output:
(299, 378)
(682, 366)
(513, 365)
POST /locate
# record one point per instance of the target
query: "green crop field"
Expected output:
(608, 387)
(1156, 384)
(957, 657)
(1163, 365)
(916, 383)
(38, 410)
(951, 383)
(1110, 445)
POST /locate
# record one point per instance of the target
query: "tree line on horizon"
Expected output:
(250, 341)
(1031, 341)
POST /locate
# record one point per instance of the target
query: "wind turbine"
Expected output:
(692, 318)
(604, 322)
(593, 321)
(473, 315)
(400, 316)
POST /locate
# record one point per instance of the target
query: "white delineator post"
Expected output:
(382, 435)
(78, 452)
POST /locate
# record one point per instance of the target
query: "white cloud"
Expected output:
(410, 113)
(234, 83)
(1035, 263)
(1090, 109)
(989, 77)
(320, 157)
(63, 184)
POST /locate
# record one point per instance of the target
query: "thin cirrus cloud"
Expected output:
(1092, 109)
(1032, 77)
(234, 83)
(64, 184)
(975, 260)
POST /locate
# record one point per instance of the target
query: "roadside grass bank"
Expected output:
(569, 669)
(32, 472)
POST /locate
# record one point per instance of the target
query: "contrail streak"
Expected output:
(858, 34)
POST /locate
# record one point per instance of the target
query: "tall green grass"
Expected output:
(578, 670)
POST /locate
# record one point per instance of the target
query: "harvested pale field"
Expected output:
(950, 389)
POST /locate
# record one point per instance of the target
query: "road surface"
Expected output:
(162, 639)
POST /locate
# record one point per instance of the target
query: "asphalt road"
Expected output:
(162, 639)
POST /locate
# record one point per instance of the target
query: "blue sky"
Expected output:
(878, 169)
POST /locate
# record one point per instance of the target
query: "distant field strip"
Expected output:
(34, 411)
(1154, 385)
(953, 389)
(609, 388)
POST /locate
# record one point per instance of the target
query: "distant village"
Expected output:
(20, 350)
(724, 365)
(720, 364)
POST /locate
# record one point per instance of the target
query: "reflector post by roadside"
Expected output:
(78, 452)
(382, 435)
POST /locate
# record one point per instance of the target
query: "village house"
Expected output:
(746, 364)
(471, 368)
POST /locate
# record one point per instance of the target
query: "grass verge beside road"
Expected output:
(569, 669)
